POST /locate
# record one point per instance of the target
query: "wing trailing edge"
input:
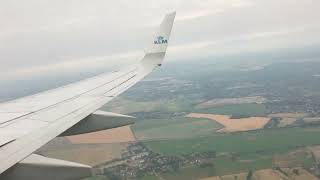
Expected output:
(97, 121)
(36, 167)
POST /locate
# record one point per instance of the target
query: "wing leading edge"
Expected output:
(28, 123)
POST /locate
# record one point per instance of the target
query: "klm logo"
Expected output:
(160, 40)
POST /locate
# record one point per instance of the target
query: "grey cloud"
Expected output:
(43, 36)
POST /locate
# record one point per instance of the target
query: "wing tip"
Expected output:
(156, 53)
(173, 13)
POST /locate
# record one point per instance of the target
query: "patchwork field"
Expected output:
(189, 173)
(300, 157)
(229, 101)
(284, 122)
(298, 174)
(91, 155)
(234, 163)
(271, 140)
(174, 128)
(236, 110)
(267, 174)
(127, 106)
(241, 152)
(116, 135)
(316, 152)
(234, 125)
(311, 120)
(287, 119)
(288, 115)
(241, 176)
(212, 178)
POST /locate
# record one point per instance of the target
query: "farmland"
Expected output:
(272, 140)
(234, 125)
(174, 128)
(172, 146)
(230, 101)
(87, 154)
(116, 135)
(236, 110)
(242, 152)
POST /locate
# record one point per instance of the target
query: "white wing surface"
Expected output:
(28, 123)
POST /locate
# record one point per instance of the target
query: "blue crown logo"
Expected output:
(160, 40)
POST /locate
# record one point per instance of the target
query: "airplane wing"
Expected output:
(28, 123)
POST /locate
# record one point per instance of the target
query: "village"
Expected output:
(138, 161)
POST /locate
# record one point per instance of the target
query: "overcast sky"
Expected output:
(53, 36)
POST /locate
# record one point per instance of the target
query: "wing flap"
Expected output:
(8, 116)
(38, 167)
(21, 127)
(97, 121)
(5, 140)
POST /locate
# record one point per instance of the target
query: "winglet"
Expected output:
(156, 53)
(38, 167)
(161, 38)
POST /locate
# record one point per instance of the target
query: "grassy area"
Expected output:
(241, 110)
(189, 173)
(149, 177)
(127, 106)
(241, 152)
(174, 128)
(272, 140)
(236, 153)
(300, 157)
(97, 178)
(224, 165)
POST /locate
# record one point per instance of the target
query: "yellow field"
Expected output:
(116, 135)
(288, 115)
(212, 178)
(316, 152)
(234, 125)
(90, 155)
(286, 121)
(312, 120)
(288, 118)
(302, 174)
(228, 101)
(241, 176)
(267, 174)
(292, 159)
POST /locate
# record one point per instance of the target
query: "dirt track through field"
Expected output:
(234, 125)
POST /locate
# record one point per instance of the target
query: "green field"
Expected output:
(242, 110)
(271, 140)
(181, 127)
(127, 106)
(149, 177)
(225, 165)
(97, 178)
(189, 173)
(253, 150)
